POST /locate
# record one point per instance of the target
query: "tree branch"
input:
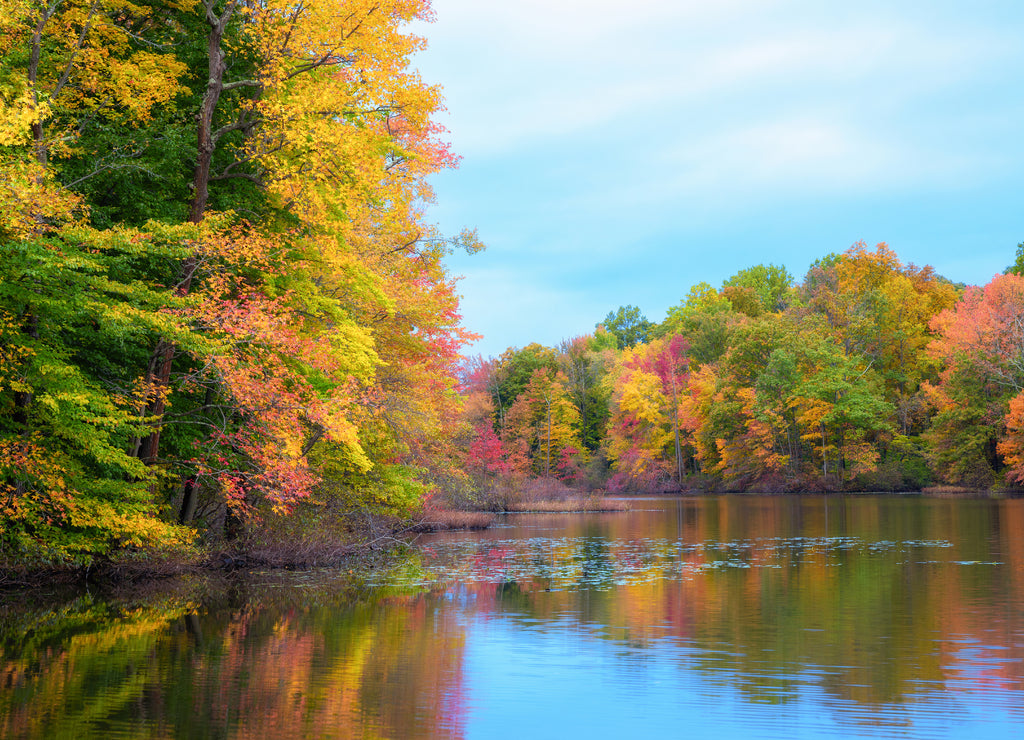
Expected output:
(241, 83)
(107, 167)
(86, 27)
(240, 125)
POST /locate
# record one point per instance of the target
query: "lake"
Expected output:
(710, 617)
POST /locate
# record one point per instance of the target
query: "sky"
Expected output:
(617, 153)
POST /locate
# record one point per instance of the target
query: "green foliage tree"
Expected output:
(706, 319)
(513, 374)
(76, 309)
(770, 285)
(583, 362)
(627, 325)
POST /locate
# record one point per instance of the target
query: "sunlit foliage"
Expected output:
(219, 299)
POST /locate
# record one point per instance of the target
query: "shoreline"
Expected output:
(140, 570)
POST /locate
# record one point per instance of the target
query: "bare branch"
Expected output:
(294, 22)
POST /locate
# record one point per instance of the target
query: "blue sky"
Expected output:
(619, 152)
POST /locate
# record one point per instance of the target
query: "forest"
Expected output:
(221, 306)
(868, 375)
(226, 317)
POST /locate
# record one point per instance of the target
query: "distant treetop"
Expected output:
(627, 325)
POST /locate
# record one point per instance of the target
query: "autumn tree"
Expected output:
(879, 308)
(1011, 445)
(238, 192)
(648, 430)
(544, 423)
(979, 342)
(706, 319)
(512, 374)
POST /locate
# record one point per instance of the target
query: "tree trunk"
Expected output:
(214, 87)
(189, 499)
(824, 456)
(38, 135)
(675, 428)
(547, 473)
(163, 355)
(190, 494)
(22, 399)
(232, 525)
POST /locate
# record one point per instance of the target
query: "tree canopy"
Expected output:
(220, 301)
(870, 373)
(627, 325)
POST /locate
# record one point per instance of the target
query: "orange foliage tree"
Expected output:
(544, 424)
(979, 343)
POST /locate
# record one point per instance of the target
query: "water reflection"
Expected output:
(267, 659)
(723, 616)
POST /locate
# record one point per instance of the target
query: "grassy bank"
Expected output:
(570, 505)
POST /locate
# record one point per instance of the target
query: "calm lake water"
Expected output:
(719, 617)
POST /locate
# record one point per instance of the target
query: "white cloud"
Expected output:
(808, 153)
(611, 135)
(514, 82)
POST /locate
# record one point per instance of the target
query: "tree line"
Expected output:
(868, 374)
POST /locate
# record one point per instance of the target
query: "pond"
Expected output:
(718, 617)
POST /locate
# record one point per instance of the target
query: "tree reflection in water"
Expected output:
(855, 615)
